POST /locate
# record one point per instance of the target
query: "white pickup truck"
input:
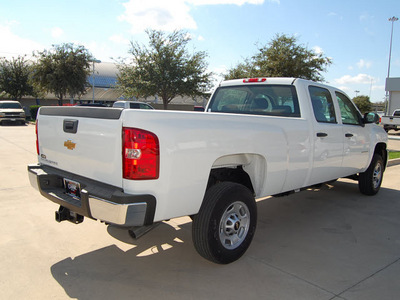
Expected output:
(391, 122)
(257, 137)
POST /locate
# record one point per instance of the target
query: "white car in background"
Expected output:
(11, 111)
(132, 105)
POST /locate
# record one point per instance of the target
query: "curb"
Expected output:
(393, 162)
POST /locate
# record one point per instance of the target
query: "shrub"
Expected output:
(34, 109)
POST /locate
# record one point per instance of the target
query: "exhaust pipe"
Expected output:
(138, 231)
(64, 214)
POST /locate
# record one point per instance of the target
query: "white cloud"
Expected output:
(358, 79)
(364, 64)
(365, 17)
(16, 45)
(157, 14)
(335, 15)
(318, 50)
(119, 39)
(235, 2)
(57, 32)
(169, 15)
(378, 87)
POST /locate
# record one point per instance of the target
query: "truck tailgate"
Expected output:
(82, 140)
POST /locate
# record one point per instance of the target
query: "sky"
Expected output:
(355, 34)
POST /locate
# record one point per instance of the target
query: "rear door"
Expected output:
(327, 137)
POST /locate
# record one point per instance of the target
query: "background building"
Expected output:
(393, 87)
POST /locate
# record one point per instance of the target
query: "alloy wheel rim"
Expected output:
(234, 225)
(377, 175)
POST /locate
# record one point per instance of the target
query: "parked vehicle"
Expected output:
(93, 104)
(257, 137)
(391, 122)
(132, 105)
(11, 111)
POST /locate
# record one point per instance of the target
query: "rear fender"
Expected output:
(247, 169)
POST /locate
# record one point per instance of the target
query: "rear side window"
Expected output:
(134, 105)
(274, 100)
(322, 104)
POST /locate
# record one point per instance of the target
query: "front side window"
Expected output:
(273, 100)
(322, 104)
(348, 111)
(145, 106)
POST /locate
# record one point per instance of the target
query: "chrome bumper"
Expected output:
(97, 200)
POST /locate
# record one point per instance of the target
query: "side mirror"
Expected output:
(371, 118)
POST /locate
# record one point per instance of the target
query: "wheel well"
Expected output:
(232, 174)
(381, 150)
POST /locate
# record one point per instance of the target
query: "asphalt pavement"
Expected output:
(326, 243)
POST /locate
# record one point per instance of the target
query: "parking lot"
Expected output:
(327, 243)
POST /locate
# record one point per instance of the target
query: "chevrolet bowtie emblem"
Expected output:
(70, 145)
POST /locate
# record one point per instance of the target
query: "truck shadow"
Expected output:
(294, 233)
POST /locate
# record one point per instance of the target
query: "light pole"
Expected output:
(356, 91)
(392, 19)
(94, 61)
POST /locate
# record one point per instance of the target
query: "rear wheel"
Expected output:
(225, 225)
(370, 181)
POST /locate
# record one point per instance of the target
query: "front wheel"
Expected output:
(370, 181)
(225, 225)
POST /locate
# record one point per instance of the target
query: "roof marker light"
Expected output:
(249, 80)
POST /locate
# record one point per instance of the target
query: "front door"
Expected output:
(356, 138)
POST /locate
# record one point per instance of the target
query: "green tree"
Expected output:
(363, 103)
(282, 57)
(63, 70)
(14, 77)
(165, 68)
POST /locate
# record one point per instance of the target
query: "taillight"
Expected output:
(141, 154)
(37, 137)
(249, 80)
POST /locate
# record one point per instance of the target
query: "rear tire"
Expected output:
(370, 181)
(225, 225)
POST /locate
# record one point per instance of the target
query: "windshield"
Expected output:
(10, 105)
(275, 100)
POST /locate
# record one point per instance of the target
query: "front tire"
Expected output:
(370, 181)
(225, 225)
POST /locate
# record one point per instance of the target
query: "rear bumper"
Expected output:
(97, 200)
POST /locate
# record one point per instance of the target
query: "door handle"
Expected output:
(322, 134)
(70, 126)
(348, 135)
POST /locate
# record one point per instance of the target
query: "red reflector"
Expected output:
(254, 80)
(140, 154)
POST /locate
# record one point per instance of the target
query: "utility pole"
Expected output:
(392, 19)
